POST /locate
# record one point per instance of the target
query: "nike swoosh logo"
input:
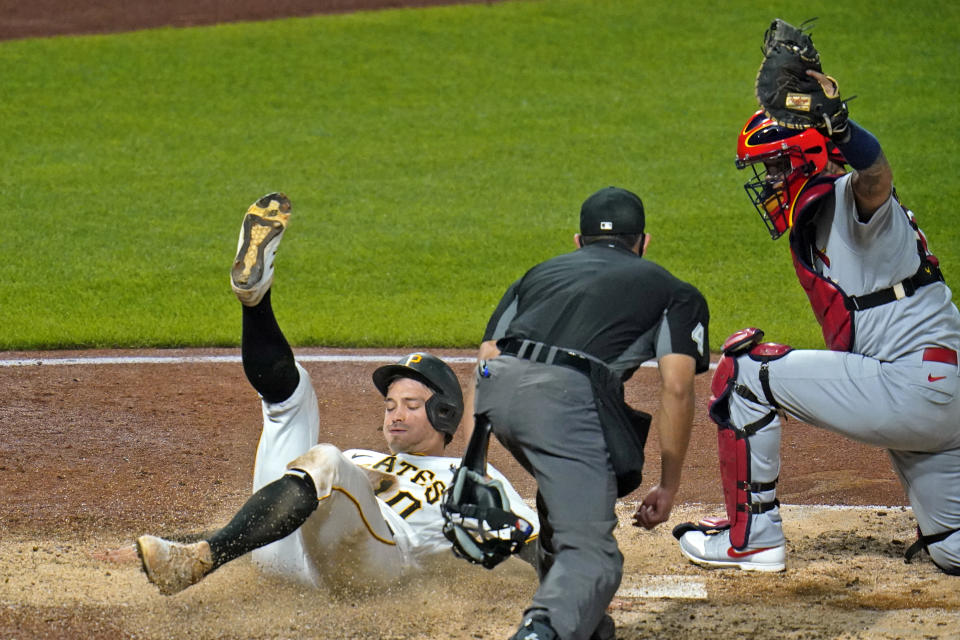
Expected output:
(733, 553)
(932, 378)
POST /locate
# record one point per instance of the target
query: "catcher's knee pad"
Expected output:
(745, 342)
(733, 445)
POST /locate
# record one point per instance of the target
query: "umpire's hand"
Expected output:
(654, 509)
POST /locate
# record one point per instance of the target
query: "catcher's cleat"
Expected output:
(263, 227)
(713, 549)
(173, 566)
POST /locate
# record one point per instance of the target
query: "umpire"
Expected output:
(555, 354)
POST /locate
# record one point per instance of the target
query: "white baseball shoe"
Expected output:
(711, 548)
(260, 235)
(173, 566)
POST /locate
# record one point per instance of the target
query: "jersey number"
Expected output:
(409, 510)
(697, 336)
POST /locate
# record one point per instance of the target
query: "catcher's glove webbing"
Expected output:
(785, 91)
(476, 509)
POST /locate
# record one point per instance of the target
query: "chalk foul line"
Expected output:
(341, 358)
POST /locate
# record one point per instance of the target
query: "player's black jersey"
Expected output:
(608, 302)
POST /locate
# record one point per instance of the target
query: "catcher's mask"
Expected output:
(445, 406)
(476, 509)
(783, 161)
(478, 522)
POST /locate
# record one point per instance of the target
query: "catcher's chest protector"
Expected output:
(826, 298)
(833, 308)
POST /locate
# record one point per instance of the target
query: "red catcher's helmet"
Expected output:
(783, 161)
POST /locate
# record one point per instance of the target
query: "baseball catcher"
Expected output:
(890, 377)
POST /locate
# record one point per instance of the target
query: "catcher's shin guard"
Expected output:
(733, 442)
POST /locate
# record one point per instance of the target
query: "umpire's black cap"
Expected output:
(611, 211)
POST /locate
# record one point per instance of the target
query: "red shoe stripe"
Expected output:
(733, 553)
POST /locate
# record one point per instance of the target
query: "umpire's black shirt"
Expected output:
(608, 302)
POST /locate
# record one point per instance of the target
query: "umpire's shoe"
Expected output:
(263, 227)
(713, 549)
(535, 628)
(174, 566)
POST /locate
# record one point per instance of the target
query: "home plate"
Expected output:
(666, 587)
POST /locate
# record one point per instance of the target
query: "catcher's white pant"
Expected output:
(909, 407)
(346, 541)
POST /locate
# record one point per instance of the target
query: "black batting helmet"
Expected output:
(445, 406)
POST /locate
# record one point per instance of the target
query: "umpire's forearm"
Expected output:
(675, 417)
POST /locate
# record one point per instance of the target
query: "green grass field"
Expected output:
(432, 155)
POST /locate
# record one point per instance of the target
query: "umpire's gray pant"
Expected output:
(546, 417)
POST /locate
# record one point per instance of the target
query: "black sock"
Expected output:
(272, 513)
(267, 358)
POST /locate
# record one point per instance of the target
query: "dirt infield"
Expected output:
(36, 18)
(95, 454)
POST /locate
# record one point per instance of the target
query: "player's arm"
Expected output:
(676, 416)
(496, 326)
(872, 178)
(686, 321)
(488, 349)
(872, 187)
(674, 422)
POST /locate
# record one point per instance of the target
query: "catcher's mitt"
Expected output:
(787, 93)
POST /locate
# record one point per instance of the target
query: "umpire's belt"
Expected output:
(545, 353)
